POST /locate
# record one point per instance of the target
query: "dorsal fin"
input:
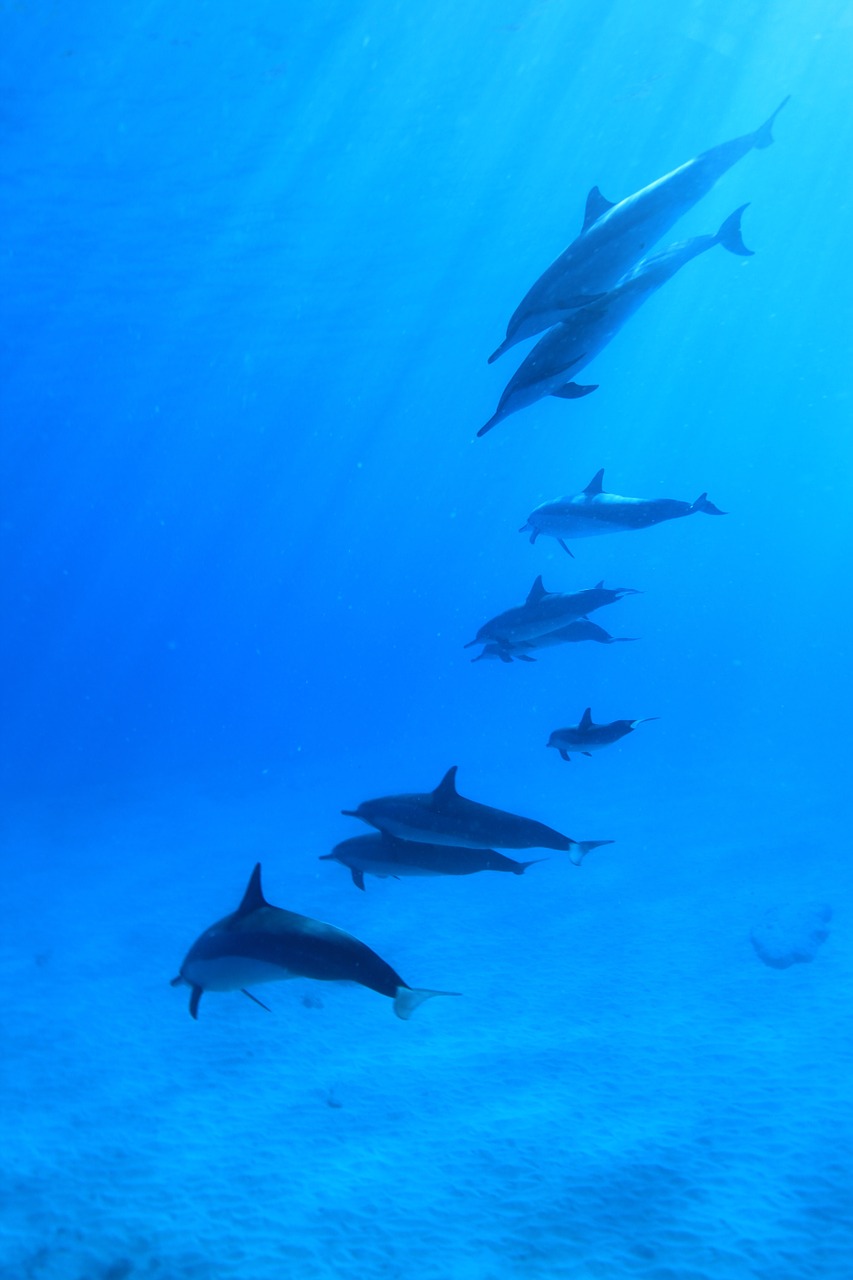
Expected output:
(253, 898)
(537, 591)
(446, 789)
(586, 719)
(599, 585)
(595, 485)
(596, 205)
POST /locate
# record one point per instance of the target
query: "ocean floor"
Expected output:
(623, 1089)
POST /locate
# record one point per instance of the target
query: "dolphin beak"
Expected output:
(350, 813)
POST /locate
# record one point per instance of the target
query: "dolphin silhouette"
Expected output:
(573, 633)
(261, 943)
(593, 512)
(386, 856)
(546, 611)
(587, 737)
(615, 237)
(444, 817)
(585, 332)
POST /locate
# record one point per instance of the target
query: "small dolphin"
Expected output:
(572, 344)
(545, 611)
(261, 943)
(383, 855)
(615, 237)
(593, 512)
(575, 632)
(587, 737)
(444, 817)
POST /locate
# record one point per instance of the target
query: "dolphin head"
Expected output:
(363, 811)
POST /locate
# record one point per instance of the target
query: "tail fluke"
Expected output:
(729, 235)
(578, 849)
(408, 999)
(764, 135)
(520, 867)
(702, 504)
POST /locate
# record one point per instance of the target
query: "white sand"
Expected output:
(623, 1090)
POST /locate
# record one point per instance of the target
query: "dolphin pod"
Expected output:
(569, 346)
(615, 237)
(545, 613)
(592, 512)
(583, 299)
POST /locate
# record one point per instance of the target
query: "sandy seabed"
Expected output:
(622, 1090)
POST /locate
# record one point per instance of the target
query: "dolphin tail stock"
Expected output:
(729, 235)
(520, 867)
(578, 849)
(407, 999)
(763, 136)
(702, 504)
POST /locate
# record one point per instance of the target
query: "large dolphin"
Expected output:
(444, 817)
(615, 237)
(587, 737)
(572, 344)
(574, 633)
(593, 512)
(261, 943)
(385, 856)
(545, 611)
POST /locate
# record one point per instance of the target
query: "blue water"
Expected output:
(253, 261)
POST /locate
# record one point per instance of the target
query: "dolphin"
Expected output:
(615, 237)
(444, 817)
(575, 632)
(575, 341)
(587, 737)
(593, 512)
(383, 855)
(261, 943)
(545, 611)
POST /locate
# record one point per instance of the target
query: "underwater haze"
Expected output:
(254, 260)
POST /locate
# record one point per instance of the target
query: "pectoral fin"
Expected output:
(573, 391)
(244, 992)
